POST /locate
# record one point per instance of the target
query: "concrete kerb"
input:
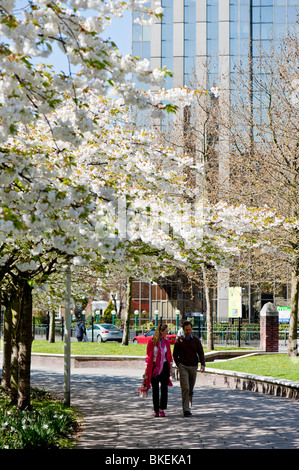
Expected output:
(213, 377)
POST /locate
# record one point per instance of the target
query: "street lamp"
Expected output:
(113, 313)
(156, 313)
(177, 312)
(92, 320)
(136, 312)
(97, 312)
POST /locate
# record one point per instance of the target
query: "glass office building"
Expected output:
(209, 40)
(212, 36)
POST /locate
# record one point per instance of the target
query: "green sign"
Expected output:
(284, 314)
(235, 302)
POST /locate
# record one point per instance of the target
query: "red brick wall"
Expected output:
(269, 333)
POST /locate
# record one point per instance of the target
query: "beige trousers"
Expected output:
(187, 381)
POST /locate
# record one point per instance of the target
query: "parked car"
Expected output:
(104, 332)
(144, 339)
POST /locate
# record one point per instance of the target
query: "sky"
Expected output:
(119, 31)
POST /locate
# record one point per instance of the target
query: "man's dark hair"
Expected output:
(186, 323)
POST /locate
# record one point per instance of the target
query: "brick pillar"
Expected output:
(269, 328)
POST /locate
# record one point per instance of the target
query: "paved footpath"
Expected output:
(115, 418)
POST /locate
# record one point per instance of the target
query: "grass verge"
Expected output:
(276, 365)
(96, 349)
(273, 365)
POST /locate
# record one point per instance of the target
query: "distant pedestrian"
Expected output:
(80, 330)
(187, 353)
(159, 368)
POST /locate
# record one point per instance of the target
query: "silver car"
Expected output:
(104, 332)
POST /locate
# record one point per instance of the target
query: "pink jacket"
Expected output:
(150, 360)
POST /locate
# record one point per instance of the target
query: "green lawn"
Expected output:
(85, 349)
(275, 365)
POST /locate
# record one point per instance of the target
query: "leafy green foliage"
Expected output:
(48, 425)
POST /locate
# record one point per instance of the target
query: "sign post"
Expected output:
(235, 302)
(235, 307)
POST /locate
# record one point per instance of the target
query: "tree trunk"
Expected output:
(7, 348)
(15, 305)
(125, 340)
(52, 327)
(210, 333)
(25, 348)
(293, 341)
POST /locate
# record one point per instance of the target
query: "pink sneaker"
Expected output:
(162, 414)
(156, 415)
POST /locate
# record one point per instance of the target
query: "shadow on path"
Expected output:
(115, 418)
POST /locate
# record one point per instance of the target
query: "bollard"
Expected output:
(269, 328)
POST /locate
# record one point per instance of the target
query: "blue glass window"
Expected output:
(280, 14)
(167, 16)
(256, 31)
(292, 14)
(244, 46)
(234, 14)
(146, 33)
(136, 34)
(266, 3)
(189, 64)
(280, 30)
(212, 13)
(212, 31)
(212, 47)
(190, 31)
(266, 14)
(233, 30)
(267, 31)
(190, 14)
(146, 49)
(234, 47)
(168, 62)
(244, 30)
(166, 3)
(166, 48)
(190, 48)
(136, 49)
(244, 13)
(256, 15)
(167, 32)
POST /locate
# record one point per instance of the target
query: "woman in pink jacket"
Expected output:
(159, 367)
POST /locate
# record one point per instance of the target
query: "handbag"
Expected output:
(143, 390)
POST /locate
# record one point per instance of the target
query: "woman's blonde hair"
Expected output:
(157, 334)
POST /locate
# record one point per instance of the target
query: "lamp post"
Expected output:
(67, 340)
(113, 313)
(156, 313)
(177, 312)
(92, 320)
(136, 313)
(97, 312)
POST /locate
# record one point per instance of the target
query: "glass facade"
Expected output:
(189, 40)
(213, 42)
(254, 26)
(167, 39)
(214, 38)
